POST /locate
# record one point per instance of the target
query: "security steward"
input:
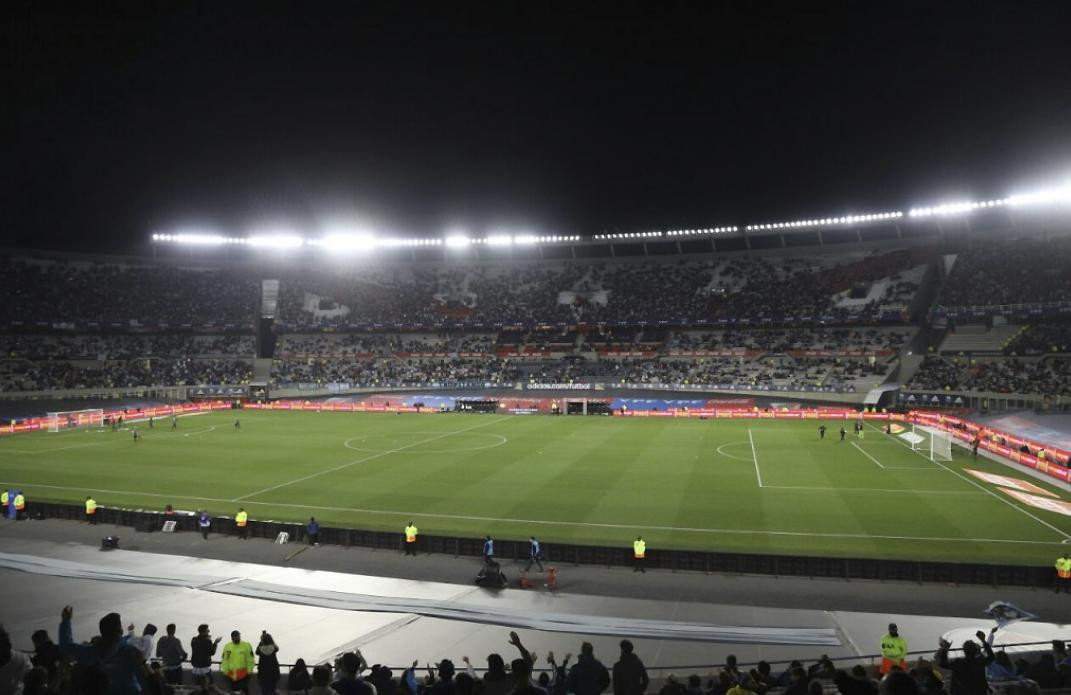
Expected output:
(91, 511)
(5, 501)
(893, 650)
(639, 555)
(1063, 573)
(20, 506)
(237, 663)
(241, 520)
(410, 539)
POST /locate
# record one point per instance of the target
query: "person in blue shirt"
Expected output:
(535, 554)
(204, 522)
(488, 550)
(313, 531)
(108, 658)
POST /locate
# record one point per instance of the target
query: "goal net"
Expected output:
(935, 443)
(73, 419)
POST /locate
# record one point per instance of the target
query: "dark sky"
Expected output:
(125, 118)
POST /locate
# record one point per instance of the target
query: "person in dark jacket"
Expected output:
(202, 649)
(299, 680)
(522, 678)
(496, 681)
(46, 653)
(588, 676)
(968, 672)
(268, 666)
(169, 651)
(630, 676)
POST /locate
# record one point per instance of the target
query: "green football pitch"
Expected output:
(732, 485)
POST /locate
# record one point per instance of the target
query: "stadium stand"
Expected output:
(65, 666)
(1019, 271)
(1049, 376)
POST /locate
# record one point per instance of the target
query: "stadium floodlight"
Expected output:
(345, 243)
(824, 221)
(457, 240)
(275, 241)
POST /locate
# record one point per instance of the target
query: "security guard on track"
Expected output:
(241, 520)
(410, 539)
(1063, 574)
(639, 554)
(20, 505)
(91, 511)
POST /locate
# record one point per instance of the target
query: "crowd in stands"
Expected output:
(123, 346)
(1016, 271)
(393, 372)
(754, 289)
(62, 292)
(114, 662)
(343, 344)
(21, 375)
(1047, 377)
(1041, 338)
(784, 340)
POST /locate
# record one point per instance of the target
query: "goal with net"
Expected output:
(73, 419)
(935, 443)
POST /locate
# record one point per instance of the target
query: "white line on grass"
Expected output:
(544, 522)
(898, 468)
(867, 455)
(730, 456)
(983, 489)
(870, 489)
(755, 457)
(365, 458)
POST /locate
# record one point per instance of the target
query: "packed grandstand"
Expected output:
(989, 318)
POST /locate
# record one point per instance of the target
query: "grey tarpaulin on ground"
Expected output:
(448, 610)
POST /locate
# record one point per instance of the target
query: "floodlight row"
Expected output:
(356, 242)
(827, 221)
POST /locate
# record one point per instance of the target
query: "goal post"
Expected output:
(935, 443)
(73, 419)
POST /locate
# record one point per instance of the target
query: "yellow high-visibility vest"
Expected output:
(20, 503)
(91, 506)
(4, 497)
(639, 548)
(410, 534)
(241, 518)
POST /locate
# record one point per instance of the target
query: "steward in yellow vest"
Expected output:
(639, 554)
(91, 510)
(20, 506)
(893, 650)
(410, 539)
(241, 520)
(1063, 574)
(5, 500)
(237, 663)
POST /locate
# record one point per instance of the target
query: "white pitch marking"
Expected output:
(870, 489)
(362, 460)
(386, 512)
(868, 455)
(755, 457)
(983, 489)
(730, 456)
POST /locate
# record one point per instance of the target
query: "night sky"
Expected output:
(121, 119)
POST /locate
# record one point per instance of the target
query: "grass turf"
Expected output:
(682, 483)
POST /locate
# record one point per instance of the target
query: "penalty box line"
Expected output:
(895, 468)
(980, 487)
(545, 522)
(364, 459)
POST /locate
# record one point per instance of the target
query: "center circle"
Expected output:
(411, 442)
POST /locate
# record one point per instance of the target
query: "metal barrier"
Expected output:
(710, 562)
